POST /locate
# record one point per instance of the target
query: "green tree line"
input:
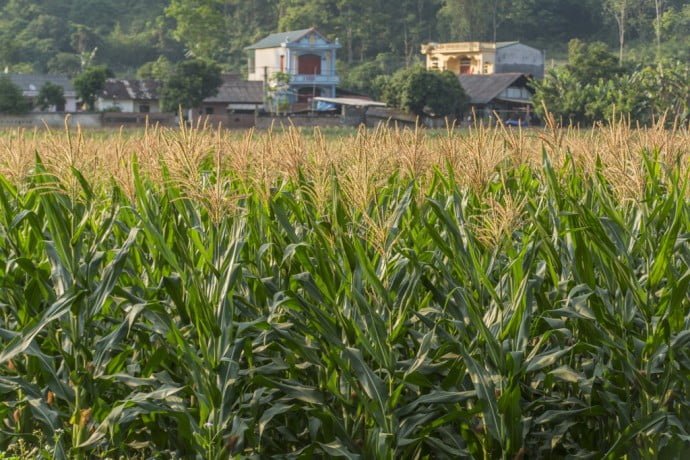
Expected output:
(65, 36)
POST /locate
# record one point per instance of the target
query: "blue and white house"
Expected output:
(304, 58)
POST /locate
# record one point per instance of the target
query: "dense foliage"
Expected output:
(189, 83)
(423, 92)
(59, 35)
(302, 304)
(50, 94)
(11, 99)
(88, 83)
(592, 88)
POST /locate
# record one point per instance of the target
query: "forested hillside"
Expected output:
(63, 36)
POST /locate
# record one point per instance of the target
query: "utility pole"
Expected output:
(265, 87)
(657, 29)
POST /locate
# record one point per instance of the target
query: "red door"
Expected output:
(309, 64)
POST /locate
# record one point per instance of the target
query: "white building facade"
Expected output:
(305, 58)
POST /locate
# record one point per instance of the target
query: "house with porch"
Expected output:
(484, 58)
(304, 58)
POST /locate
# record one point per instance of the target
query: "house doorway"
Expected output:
(309, 64)
(460, 65)
(306, 93)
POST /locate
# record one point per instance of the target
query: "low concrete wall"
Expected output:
(300, 122)
(53, 120)
(229, 121)
(117, 119)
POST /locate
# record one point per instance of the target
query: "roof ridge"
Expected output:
(277, 38)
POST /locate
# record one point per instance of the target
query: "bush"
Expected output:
(189, 83)
(12, 101)
(51, 95)
(90, 82)
(583, 93)
(425, 92)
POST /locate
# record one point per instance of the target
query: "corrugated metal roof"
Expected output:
(30, 82)
(275, 40)
(238, 91)
(351, 101)
(136, 90)
(482, 89)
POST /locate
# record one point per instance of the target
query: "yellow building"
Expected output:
(484, 58)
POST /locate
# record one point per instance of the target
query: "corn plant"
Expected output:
(197, 306)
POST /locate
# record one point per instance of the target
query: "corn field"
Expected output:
(381, 294)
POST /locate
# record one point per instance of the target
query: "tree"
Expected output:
(658, 10)
(51, 95)
(190, 82)
(424, 92)
(200, 25)
(65, 64)
(12, 101)
(588, 62)
(583, 93)
(363, 77)
(669, 91)
(90, 82)
(619, 10)
(467, 19)
(156, 70)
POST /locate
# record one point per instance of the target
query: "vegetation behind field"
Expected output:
(383, 294)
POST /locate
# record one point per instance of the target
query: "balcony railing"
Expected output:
(313, 46)
(461, 47)
(318, 78)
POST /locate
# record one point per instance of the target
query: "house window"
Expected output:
(144, 108)
(517, 93)
(465, 65)
(434, 63)
(252, 61)
(209, 110)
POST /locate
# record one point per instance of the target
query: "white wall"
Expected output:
(70, 104)
(85, 120)
(108, 104)
(126, 105)
(519, 54)
(269, 58)
(520, 58)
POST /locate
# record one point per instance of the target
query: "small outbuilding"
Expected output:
(235, 95)
(353, 111)
(131, 96)
(507, 94)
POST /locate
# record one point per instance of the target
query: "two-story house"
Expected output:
(484, 58)
(306, 57)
